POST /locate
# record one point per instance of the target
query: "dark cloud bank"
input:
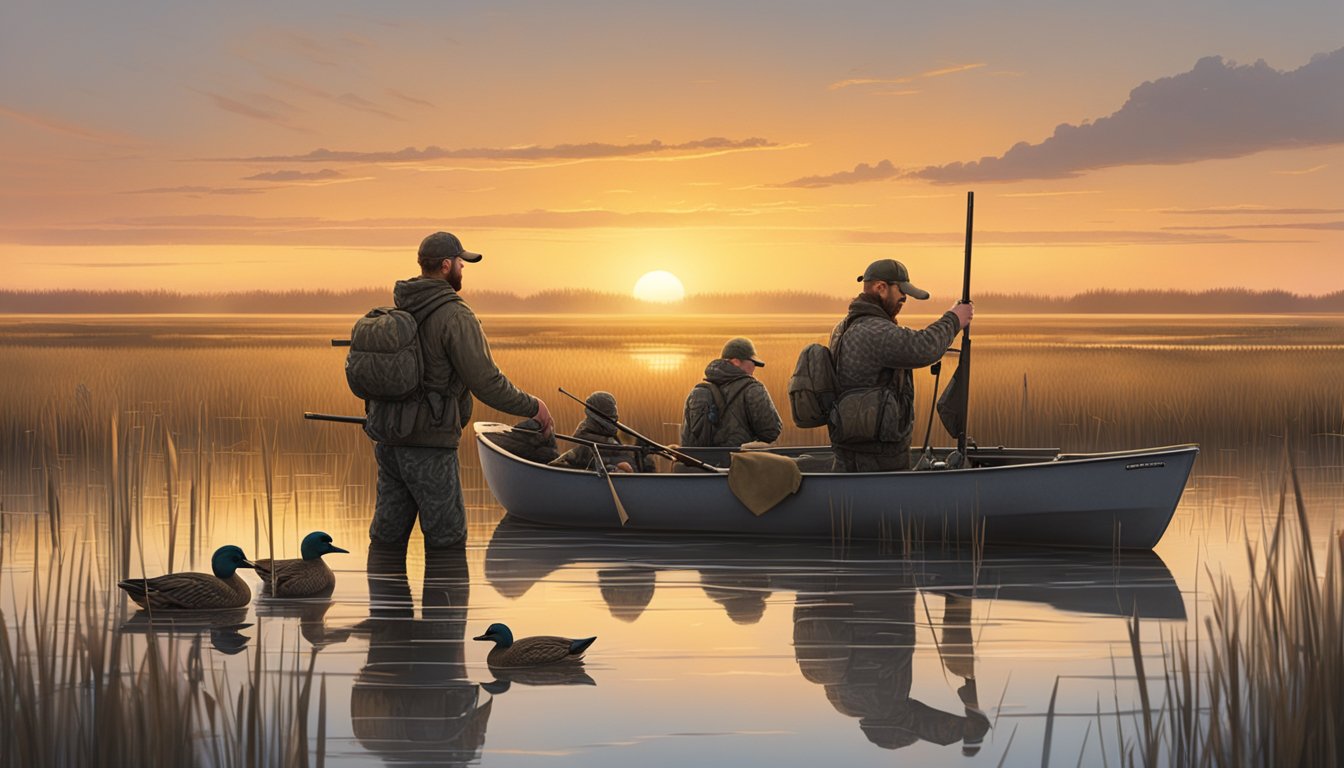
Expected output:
(1216, 110)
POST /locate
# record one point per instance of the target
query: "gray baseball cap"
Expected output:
(741, 349)
(445, 245)
(893, 271)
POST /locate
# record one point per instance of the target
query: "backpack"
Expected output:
(385, 362)
(812, 387)
(704, 418)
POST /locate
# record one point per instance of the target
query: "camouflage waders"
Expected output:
(419, 482)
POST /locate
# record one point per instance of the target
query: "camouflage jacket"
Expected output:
(599, 431)
(457, 365)
(875, 352)
(750, 415)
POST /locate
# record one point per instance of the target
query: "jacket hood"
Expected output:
(864, 305)
(413, 294)
(720, 372)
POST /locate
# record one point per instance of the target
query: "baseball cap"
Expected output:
(445, 245)
(893, 271)
(740, 349)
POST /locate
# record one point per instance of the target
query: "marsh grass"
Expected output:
(1265, 687)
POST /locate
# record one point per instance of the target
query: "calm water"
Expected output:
(718, 651)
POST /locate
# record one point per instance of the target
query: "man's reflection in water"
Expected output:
(859, 643)
(627, 590)
(741, 591)
(411, 702)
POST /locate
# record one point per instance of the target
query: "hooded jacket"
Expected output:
(750, 413)
(456, 365)
(874, 351)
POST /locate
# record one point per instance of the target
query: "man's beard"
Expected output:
(455, 279)
(892, 304)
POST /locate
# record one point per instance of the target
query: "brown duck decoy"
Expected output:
(531, 651)
(196, 591)
(307, 576)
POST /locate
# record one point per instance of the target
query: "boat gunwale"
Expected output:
(482, 428)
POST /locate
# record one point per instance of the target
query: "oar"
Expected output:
(606, 475)
(670, 453)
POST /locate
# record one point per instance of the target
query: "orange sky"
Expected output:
(768, 145)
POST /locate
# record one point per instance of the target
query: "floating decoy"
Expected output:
(301, 577)
(531, 651)
(196, 591)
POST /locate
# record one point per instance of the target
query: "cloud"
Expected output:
(1328, 226)
(348, 100)
(326, 174)
(409, 99)
(861, 173)
(198, 190)
(940, 72)
(590, 151)
(263, 108)
(62, 127)
(1053, 238)
(1216, 110)
(1254, 210)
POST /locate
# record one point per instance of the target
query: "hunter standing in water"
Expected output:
(416, 439)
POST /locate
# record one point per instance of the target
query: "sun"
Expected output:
(659, 286)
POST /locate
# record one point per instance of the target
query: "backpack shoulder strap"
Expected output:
(715, 393)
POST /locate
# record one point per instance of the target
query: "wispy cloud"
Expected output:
(198, 190)
(409, 99)
(590, 151)
(326, 174)
(905, 79)
(862, 172)
(63, 127)
(347, 100)
(1304, 171)
(1118, 237)
(1216, 110)
(260, 107)
(1329, 226)
(1249, 209)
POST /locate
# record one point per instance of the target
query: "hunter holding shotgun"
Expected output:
(875, 407)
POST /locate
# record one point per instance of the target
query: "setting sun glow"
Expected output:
(659, 286)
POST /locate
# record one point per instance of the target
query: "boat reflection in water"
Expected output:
(854, 615)
(412, 702)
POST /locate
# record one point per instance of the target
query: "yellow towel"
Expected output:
(761, 480)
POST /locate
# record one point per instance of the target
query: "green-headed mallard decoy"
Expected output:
(531, 651)
(196, 591)
(301, 577)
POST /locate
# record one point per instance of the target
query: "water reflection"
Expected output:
(660, 358)
(222, 627)
(411, 701)
(855, 614)
(311, 615)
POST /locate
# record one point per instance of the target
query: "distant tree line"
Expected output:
(357, 301)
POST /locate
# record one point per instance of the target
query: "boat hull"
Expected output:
(1121, 500)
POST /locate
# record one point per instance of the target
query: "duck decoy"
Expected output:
(196, 591)
(301, 577)
(531, 651)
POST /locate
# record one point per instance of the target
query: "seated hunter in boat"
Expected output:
(730, 406)
(196, 591)
(596, 429)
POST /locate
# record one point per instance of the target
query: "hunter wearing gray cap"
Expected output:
(874, 356)
(730, 407)
(416, 438)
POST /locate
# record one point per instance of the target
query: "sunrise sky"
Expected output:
(739, 146)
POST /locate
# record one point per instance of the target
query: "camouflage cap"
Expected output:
(741, 349)
(604, 403)
(445, 245)
(893, 271)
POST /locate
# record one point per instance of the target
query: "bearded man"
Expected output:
(874, 358)
(416, 441)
